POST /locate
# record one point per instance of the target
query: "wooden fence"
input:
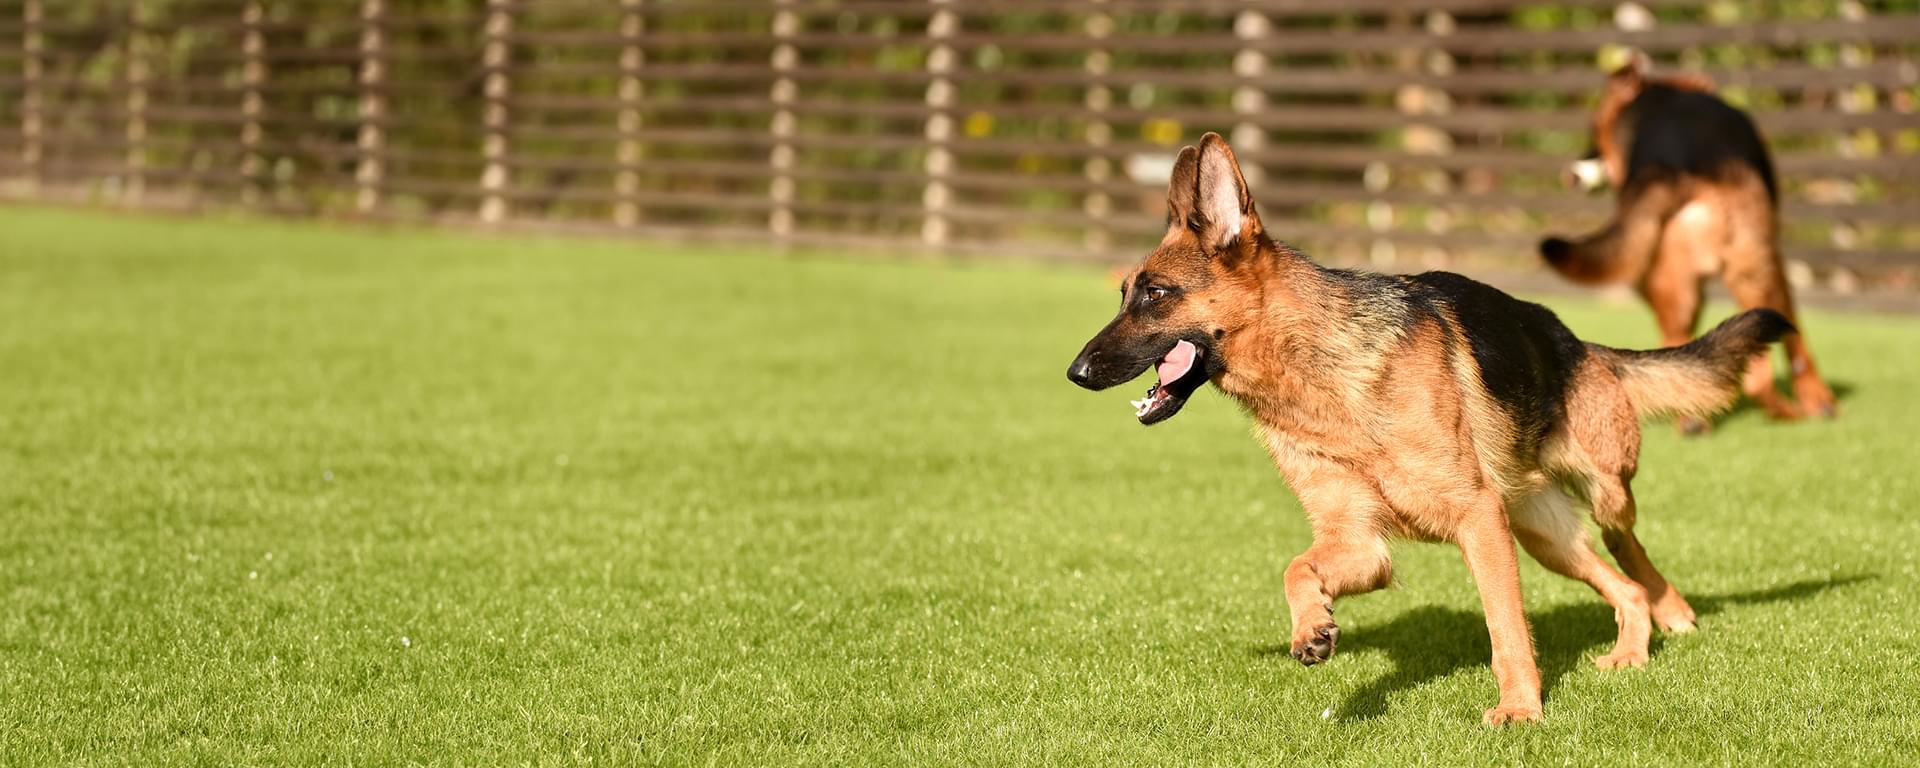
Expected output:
(1397, 134)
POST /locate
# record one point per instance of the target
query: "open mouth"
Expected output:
(1179, 375)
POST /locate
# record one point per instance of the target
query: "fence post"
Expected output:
(1098, 169)
(1427, 137)
(135, 47)
(253, 75)
(937, 195)
(1249, 98)
(1859, 98)
(495, 58)
(370, 147)
(31, 118)
(780, 189)
(626, 182)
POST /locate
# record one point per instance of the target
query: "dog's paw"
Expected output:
(1316, 644)
(1623, 659)
(1815, 398)
(1512, 713)
(1781, 409)
(1680, 627)
(1673, 619)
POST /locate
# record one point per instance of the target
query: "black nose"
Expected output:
(1081, 371)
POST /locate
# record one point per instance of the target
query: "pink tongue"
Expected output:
(1177, 363)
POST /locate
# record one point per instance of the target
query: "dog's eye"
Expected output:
(1155, 293)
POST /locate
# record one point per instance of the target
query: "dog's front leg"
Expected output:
(1328, 570)
(1348, 557)
(1487, 542)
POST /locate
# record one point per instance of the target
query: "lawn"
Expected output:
(282, 494)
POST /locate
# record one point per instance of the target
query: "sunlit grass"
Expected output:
(277, 494)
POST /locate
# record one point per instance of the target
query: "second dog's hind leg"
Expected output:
(1672, 289)
(1759, 282)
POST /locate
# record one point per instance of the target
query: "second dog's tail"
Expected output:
(1701, 377)
(1623, 250)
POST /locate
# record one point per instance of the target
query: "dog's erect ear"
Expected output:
(1634, 67)
(1626, 81)
(1225, 206)
(1183, 189)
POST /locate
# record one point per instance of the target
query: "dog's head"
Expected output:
(1188, 295)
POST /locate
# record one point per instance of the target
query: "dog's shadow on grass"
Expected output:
(1430, 643)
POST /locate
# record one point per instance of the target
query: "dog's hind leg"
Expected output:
(1763, 290)
(1756, 277)
(1812, 391)
(1670, 610)
(1672, 288)
(1598, 455)
(1550, 529)
(1614, 510)
(1757, 280)
(1672, 285)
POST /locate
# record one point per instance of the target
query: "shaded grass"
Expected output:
(278, 494)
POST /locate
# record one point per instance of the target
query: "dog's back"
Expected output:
(1681, 131)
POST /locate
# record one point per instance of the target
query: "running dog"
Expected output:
(1697, 197)
(1429, 407)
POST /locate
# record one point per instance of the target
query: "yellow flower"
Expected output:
(979, 124)
(1161, 131)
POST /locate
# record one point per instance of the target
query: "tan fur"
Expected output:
(1672, 389)
(1382, 426)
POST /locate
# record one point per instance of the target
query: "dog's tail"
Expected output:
(1701, 377)
(1623, 250)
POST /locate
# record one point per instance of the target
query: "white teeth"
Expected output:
(1141, 405)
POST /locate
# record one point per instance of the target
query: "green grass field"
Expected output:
(282, 494)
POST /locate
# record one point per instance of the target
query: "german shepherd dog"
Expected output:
(1697, 197)
(1429, 407)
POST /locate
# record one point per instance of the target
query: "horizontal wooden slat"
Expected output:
(303, 85)
(1281, 192)
(1284, 41)
(342, 55)
(1341, 157)
(1469, 40)
(1278, 117)
(1322, 155)
(1319, 80)
(1293, 80)
(344, 26)
(996, 8)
